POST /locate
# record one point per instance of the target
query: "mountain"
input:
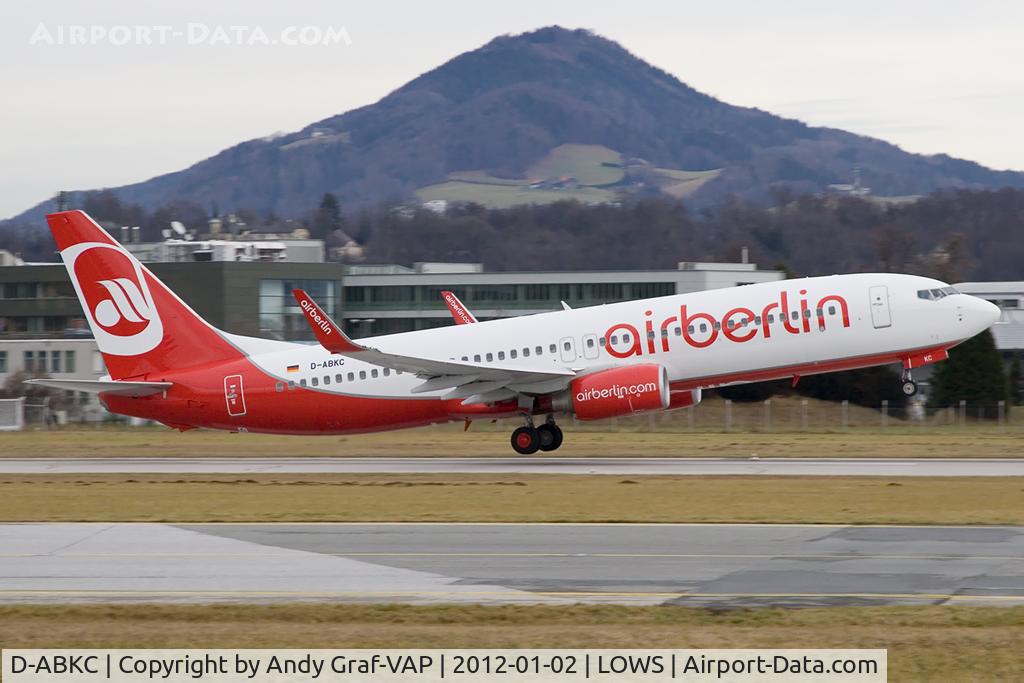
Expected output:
(542, 115)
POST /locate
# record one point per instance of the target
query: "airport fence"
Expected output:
(793, 414)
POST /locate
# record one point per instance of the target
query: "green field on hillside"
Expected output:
(599, 173)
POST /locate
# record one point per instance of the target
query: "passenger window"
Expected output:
(539, 350)
(465, 358)
(314, 381)
(730, 324)
(373, 373)
(554, 348)
(501, 355)
(831, 310)
(771, 318)
(362, 374)
(351, 377)
(490, 358)
(807, 313)
(279, 387)
(327, 380)
(625, 339)
(689, 329)
(291, 385)
(387, 372)
(338, 379)
(718, 325)
(679, 331)
(650, 334)
(757, 320)
(590, 342)
(796, 315)
(526, 353)
(302, 382)
(820, 311)
(602, 341)
(476, 358)
(567, 346)
(703, 327)
(615, 339)
(513, 353)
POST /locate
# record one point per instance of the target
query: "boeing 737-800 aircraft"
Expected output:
(165, 363)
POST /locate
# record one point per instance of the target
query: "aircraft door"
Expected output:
(233, 395)
(881, 316)
(567, 347)
(590, 348)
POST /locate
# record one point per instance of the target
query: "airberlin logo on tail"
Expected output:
(455, 306)
(740, 324)
(115, 298)
(314, 316)
(125, 303)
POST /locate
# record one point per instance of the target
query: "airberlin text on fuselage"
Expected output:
(730, 326)
(315, 316)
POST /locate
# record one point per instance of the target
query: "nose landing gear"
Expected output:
(909, 386)
(528, 439)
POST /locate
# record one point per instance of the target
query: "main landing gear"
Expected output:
(909, 386)
(528, 439)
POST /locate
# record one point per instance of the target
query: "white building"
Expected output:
(59, 358)
(1009, 297)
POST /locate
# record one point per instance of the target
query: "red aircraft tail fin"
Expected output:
(141, 327)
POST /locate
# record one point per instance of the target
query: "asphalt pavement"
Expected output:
(888, 467)
(708, 565)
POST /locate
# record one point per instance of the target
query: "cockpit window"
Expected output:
(936, 294)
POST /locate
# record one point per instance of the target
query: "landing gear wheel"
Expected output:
(550, 436)
(525, 441)
(909, 387)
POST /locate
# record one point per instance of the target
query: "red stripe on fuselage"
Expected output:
(197, 399)
(787, 371)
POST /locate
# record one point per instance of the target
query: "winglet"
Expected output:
(326, 330)
(458, 310)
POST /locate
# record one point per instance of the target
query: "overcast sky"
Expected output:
(931, 76)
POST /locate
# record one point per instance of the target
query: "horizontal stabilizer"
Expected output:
(100, 386)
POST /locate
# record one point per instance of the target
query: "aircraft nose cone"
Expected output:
(990, 312)
(984, 313)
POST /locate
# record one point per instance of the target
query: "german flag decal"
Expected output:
(293, 368)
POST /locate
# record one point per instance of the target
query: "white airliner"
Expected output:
(168, 364)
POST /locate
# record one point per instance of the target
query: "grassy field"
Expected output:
(503, 196)
(596, 169)
(587, 163)
(510, 498)
(924, 643)
(492, 441)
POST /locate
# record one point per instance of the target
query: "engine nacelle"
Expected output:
(684, 399)
(615, 392)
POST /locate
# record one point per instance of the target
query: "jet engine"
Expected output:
(615, 392)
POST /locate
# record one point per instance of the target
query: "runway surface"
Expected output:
(707, 565)
(891, 467)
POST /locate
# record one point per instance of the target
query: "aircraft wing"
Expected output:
(474, 382)
(109, 386)
(458, 310)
